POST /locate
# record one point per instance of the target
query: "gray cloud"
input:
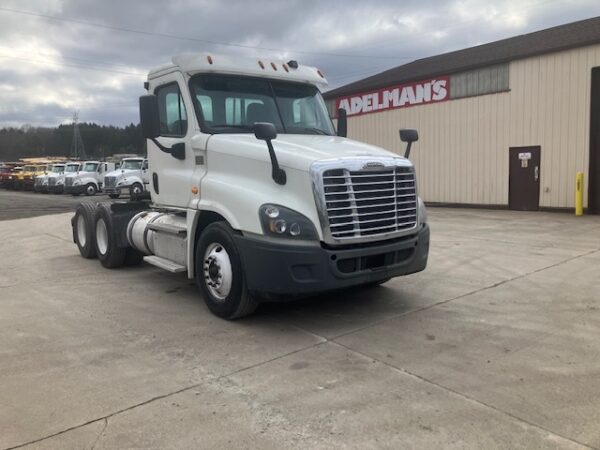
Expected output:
(51, 67)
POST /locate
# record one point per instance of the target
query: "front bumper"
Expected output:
(75, 189)
(114, 190)
(275, 270)
(56, 189)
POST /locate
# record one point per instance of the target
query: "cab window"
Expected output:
(171, 110)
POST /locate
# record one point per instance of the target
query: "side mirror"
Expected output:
(409, 136)
(342, 124)
(266, 131)
(149, 119)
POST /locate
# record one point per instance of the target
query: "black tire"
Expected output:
(90, 189)
(110, 255)
(238, 302)
(135, 190)
(377, 283)
(133, 257)
(114, 195)
(84, 232)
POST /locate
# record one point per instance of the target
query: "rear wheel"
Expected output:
(109, 253)
(84, 231)
(90, 189)
(219, 273)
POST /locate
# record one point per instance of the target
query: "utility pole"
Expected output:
(77, 147)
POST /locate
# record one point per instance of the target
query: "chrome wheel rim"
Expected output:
(101, 236)
(81, 232)
(218, 274)
(91, 189)
(137, 190)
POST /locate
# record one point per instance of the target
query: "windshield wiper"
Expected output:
(227, 125)
(315, 130)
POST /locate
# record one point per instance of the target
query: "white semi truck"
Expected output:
(131, 176)
(253, 194)
(88, 179)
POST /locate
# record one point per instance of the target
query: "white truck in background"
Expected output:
(56, 179)
(254, 195)
(131, 176)
(88, 179)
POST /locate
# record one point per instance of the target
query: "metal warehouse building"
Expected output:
(508, 123)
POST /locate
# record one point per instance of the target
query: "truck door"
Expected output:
(173, 179)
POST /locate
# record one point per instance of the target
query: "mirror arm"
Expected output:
(169, 150)
(278, 174)
(407, 151)
(160, 146)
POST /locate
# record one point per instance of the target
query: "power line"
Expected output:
(78, 66)
(192, 39)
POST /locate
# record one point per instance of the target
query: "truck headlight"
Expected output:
(278, 221)
(422, 212)
(59, 181)
(76, 182)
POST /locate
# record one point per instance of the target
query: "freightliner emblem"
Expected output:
(372, 165)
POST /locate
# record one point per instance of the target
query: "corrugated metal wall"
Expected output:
(462, 154)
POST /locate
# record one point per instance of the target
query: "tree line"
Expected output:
(99, 141)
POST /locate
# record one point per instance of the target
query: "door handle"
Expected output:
(537, 173)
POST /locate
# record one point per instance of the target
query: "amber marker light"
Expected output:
(260, 63)
(209, 58)
(195, 190)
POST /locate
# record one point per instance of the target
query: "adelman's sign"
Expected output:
(401, 96)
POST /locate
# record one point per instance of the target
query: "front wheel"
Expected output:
(90, 190)
(220, 275)
(135, 190)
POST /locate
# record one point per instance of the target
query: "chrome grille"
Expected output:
(110, 182)
(371, 202)
(38, 181)
(51, 181)
(69, 181)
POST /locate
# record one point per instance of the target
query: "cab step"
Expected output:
(164, 264)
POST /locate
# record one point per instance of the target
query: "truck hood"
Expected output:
(120, 172)
(296, 151)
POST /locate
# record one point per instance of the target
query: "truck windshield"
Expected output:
(232, 104)
(59, 169)
(28, 168)
(72, 168)
(90, 167)
(131, 164)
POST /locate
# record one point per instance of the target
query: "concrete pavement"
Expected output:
(495, 345)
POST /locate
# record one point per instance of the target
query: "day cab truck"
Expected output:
(253, 194)
(131, 176)
(88, 179)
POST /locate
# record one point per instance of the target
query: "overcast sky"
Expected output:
(92, 55)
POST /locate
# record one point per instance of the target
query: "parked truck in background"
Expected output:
(88, 179)
(131, 176)
(56, 178)
(254, 195)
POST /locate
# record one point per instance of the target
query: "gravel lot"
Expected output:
(19, 204)
(495, 345)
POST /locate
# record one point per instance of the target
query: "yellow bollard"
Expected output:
(579, 194)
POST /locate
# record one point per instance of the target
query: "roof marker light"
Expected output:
(260, 63)
(274, 66)
(285, 67)
(320, 73)
(209, 58)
